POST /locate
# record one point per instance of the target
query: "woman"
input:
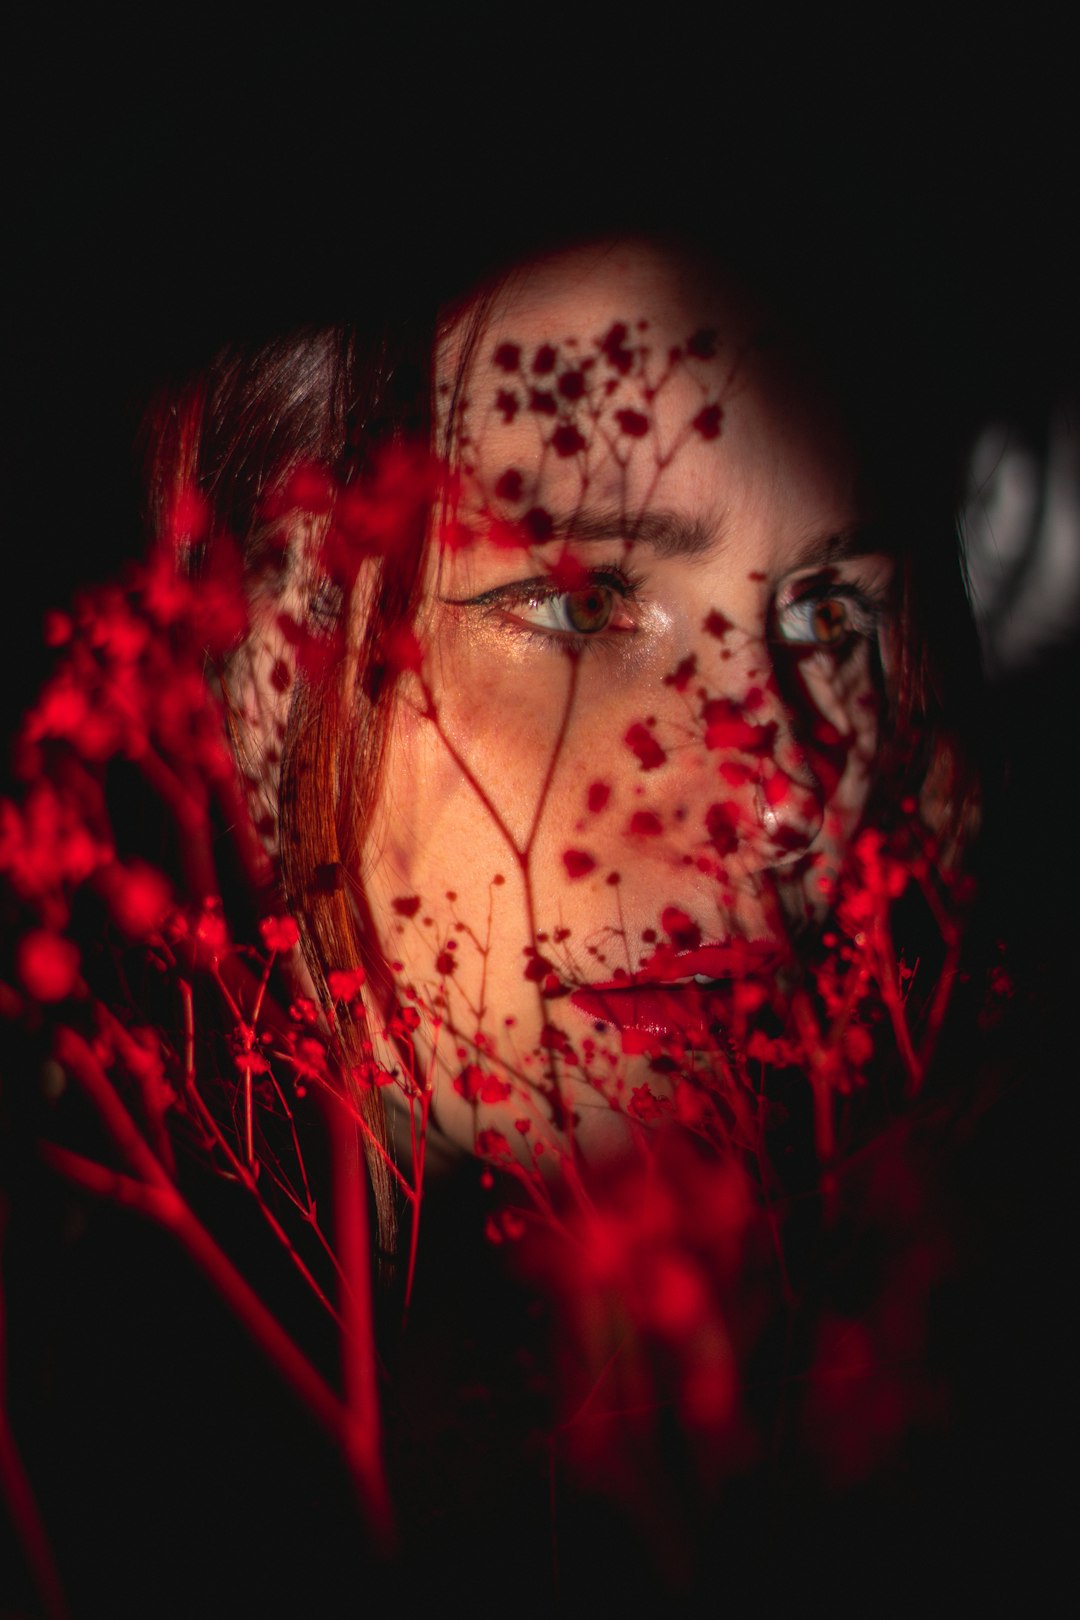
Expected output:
(627, 692)
(583, 665)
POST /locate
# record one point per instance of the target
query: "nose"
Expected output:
(764, 805)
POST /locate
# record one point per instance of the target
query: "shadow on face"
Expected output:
(645, 723)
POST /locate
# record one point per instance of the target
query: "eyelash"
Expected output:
(625, 584)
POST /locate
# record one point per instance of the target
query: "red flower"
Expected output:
(642, 742)
(47, 965)
(345, 983)
(613, 348)
(279, 933)
(681, 675)
(402, 649)
(707, 421)
(632, 423)
(599, 794)
(567, 441)
(646, 824)
(577, 862)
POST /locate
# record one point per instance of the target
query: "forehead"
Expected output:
(573, 297)
(573, 294)
(653, 335)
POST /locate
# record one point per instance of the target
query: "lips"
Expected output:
(664, 998)
(687, 1011)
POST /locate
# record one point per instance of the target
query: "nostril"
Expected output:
(766, 815)
(790, 814)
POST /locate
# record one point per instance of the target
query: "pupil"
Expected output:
(588, 610)
(829, 621)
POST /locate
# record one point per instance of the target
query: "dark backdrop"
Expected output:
(173, 182)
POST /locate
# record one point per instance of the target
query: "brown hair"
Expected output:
(342, 403)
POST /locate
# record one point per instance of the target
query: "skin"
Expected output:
(708, 549)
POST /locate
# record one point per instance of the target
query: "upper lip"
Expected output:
(721, 959)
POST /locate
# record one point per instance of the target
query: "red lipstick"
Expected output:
(666, 996)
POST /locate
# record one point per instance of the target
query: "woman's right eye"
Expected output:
(586, 612)
(591, 613)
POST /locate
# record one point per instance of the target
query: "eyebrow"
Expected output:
(667, 533)
(674, 534)
(854, 540)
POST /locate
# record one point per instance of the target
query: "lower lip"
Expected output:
(688, 1012)
(655, 1006)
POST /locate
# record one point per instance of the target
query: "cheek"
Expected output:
(505, 812)
(852, 705)
(431, 810)
(510, 745)
(843, 733)
(461, 789)
(844, 695)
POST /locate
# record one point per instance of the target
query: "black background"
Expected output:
(173, 181)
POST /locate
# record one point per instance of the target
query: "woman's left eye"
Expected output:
(828, 618)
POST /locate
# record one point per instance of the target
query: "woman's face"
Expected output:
(648, 709)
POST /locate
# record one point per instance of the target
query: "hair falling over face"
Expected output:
(543, 725)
